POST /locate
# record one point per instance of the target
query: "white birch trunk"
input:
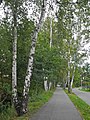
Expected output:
(14, 61)
(45, 85)
(30, 62)
(69, 70)
(72, 82)
(14, 67)
(66, 82)
(50, 85)
(68, 73)
(51, 27)
(72, 79)
(51, 33)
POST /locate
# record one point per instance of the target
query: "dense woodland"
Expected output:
(42, 48)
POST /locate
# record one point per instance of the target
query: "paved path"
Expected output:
(58, 108)
(83, 95)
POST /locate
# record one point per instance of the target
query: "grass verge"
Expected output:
(81, 106)
(85, 90)
(34, 104)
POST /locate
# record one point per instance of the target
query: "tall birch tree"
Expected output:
(14, 61)
(31, 57)
(15, 6)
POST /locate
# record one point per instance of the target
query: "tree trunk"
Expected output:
(65, 83)
(30, 62)
(69, 60)
(45, 85)
(51, 27)
(21, 105)
(14, 61)
(54, 84)
(71, 82)
(0, 2)
(69, 76)
(50, 84)
(14, 67)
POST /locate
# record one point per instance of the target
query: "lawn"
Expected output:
(82, 107)
(85, 90)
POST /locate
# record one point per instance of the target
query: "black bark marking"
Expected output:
(0, 2)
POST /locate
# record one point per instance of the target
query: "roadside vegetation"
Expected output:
(38, 50)
(34, 104)
(85, 90)
(81, 106)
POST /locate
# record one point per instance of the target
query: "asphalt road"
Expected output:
(83, 95)
(58, 108)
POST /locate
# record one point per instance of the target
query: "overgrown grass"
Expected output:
(34, 104)
(82, 107)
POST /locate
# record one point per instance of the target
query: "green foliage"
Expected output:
(33, 106)
(48, 62)
(7, 88)
(85, 89)
(24, 40)
(86, 76)
(77, 79)
(25, 29)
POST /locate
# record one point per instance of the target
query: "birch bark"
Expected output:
(30, 62)
(51, 26)
(50, 84)
(14, 61)
(69, 71)
(0, 2)
(68, 76)
(71, 82)
(46, 85)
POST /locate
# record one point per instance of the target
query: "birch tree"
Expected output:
(14, 61)
(66, 11)
(21, 104)
(30, 62)
(50, 83)
(78, 27)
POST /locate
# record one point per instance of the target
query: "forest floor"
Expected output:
(59, 107)
(85, 96)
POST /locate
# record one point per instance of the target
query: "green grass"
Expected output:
(82, 107)
(85, 90)
(34, 104)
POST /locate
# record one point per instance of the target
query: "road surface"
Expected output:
(85, 96)
(58, 108)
